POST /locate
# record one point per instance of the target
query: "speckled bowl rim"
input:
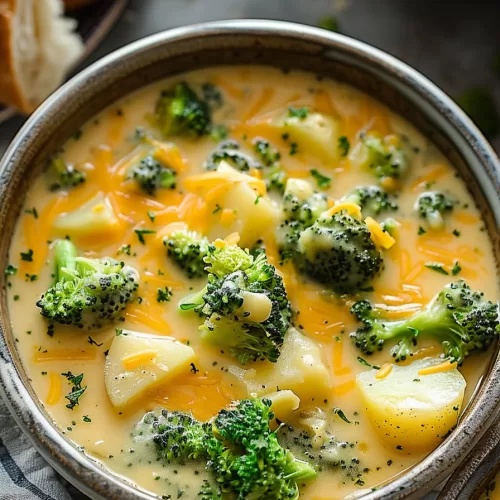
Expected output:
(97, 482)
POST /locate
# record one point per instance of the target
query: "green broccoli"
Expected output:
(383, 158)
(300, 209)
(179, 111)
(242, 454)
(87, 292)
(432, 206)
(229, 151)
(64, 175)
(457, 316)
(251, 462)
(187, 249)
(274, 175)
(337, 250)
(151, 175)
(329, 454)
(176, 436)
(244, 305)
(372, 200)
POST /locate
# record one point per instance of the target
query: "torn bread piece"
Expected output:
(37, 48)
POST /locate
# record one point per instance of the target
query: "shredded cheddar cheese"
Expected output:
(441, 367)
(350, 208)
(383, 371)
(137, 359)
(380, 237)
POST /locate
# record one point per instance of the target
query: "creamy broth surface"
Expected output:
(252, 97)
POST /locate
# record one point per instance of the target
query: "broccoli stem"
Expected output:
(66, 253)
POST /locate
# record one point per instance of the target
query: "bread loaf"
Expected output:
(37, 48)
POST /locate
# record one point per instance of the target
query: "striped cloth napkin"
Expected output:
(24, 474)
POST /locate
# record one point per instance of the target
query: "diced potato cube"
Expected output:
(94, 217)
(299, 369)
(137, 362)
(284, 403)
(413, 410)
(254, 214)
(315, 134)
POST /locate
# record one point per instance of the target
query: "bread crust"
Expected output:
(11, 92)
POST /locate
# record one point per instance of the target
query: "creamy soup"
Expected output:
(158, 163)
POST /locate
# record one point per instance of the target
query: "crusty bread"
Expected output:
(37, 47)
(76, 4)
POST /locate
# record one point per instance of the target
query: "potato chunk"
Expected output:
(284, 403)
(254, 215)
(96, 216)
(413, 410)
(137, 362)
(299, 369)
(316, 134)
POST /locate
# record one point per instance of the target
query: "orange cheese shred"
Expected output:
(441, 367)
(55, 390)
(383, 371)
(136, 359)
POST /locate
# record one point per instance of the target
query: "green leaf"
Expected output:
(322, 181)
(364, 362)
(344, 145)
(141, 232)
(341, 414)
(435, 266)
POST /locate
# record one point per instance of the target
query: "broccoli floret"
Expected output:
(338, 251)
(87, 292)
(151, 175)
(188, 249)
(433, 206)
(461, 319)
(179, 111)
(209, 491)
(244, 305)
(383, 158)
(274, 175)
(300, 209)
(229, 151)
(372, 200)
(251, 463)
(176, 436)
(64, 175)
(241, 452)
(325, 452)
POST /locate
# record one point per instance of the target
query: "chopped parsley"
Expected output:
(86, 419)
(164, 294)
(364, 362)
(141, 232)
(219, 133)
(300, 113)
(421, 230)
(32, 211)
(341, 414)
(92, 341)
(10, 270)
(124, 249)
(152, 216)
(30, 277)
(322, 181)
(344, 145)
(456, 233)
(456, 268)
(434, 266)
(194, 369)
(27, 256)
(293, 148)
(76, 391)
(217, 208)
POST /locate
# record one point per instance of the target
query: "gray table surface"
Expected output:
(452, 42)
